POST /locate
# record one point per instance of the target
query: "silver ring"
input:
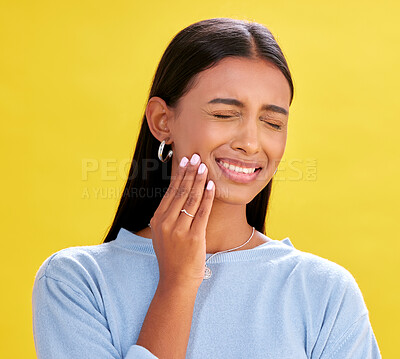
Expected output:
(186, 212)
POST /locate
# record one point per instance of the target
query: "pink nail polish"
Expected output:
(184, 162)
(201, 168)
(195, 158)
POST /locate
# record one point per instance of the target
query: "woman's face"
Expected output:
(249, 125)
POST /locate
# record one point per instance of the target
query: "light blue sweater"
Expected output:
(272, 301)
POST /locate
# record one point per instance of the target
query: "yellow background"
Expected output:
(74, 76)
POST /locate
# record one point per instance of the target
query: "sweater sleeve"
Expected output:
(357, 342)
(66, 325)
(346, 332)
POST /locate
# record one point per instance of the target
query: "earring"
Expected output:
(160, 151)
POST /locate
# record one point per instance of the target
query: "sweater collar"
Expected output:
(272, 248)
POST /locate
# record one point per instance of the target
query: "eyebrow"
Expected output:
(233, 101)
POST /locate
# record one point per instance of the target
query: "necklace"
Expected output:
(207, 271)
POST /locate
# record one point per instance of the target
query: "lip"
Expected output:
(238, 177)
(239, 163)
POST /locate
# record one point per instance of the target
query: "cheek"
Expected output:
(277, 151)
(192, 130)
(275, 146)
(194, 137)
(274, 149)
(204, 136)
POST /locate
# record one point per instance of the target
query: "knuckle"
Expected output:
(192, 169)
(179, 232)
(200, 178)
(179, 174)
(191, 201)
(201, 212)
(165, 227)
(181, 192)
(170, 190)
(198, 236)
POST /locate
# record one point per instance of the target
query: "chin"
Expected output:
(234, 196)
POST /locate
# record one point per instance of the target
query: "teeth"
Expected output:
(237, 169)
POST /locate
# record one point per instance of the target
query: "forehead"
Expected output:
(244, 79)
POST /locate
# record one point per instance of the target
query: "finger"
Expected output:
(194, 198)
(199, 223)
(185, 187)
(173, 187)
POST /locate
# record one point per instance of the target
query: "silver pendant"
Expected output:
(207, 273)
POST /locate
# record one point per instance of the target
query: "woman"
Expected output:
(186, 269)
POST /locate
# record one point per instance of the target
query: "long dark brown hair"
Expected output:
(194, 49)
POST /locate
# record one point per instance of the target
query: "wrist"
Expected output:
(167, 286)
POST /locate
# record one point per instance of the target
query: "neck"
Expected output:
(227, 227)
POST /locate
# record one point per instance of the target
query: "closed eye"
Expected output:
(222, 116)
(278, 127)
(274, 125)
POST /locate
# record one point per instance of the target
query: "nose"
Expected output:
(247, 138)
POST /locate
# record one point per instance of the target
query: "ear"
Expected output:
(158, 117)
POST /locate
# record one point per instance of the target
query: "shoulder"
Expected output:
(318, 269)
(73, 263)
(327, 286)
(310, 278)
(75, 271)
(294, 263)
(318, 280)
(324, 269)
(335, 306)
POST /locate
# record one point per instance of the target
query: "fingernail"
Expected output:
(195, 158)
(184, 162)
(210, 184)
(201, 168)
